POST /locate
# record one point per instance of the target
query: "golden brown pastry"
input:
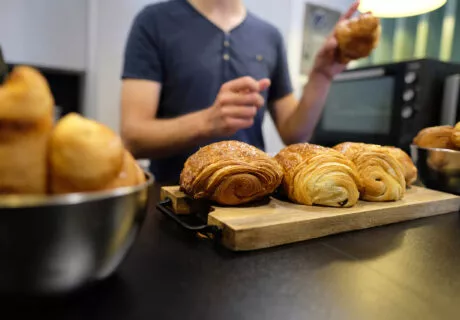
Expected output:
(131, 174)
(26, 121)
(435, 137)
(409, 169)
(456, 136)
(230, 173)
(315, 175)
(84, 155)
(381, 174)
(357, 37)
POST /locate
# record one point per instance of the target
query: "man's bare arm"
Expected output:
(296, 121)
(147, 136)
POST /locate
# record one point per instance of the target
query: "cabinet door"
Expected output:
(47, 32)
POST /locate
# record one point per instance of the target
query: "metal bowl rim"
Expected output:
(436, 149)
(24, 201)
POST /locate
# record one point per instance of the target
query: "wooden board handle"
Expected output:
(181, 203)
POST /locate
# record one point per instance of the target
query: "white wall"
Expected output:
(44, 32)
(110, 21)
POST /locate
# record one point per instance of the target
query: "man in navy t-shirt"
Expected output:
(200, 71)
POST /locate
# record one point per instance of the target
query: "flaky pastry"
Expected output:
(315, 175)
(357, 37)
(230, 173)
(26, 121)
(381, 174)
(84, 155)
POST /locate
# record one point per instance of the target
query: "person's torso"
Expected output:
(197, 59)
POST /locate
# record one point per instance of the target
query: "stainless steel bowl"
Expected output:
(438, 169)
(57, 244)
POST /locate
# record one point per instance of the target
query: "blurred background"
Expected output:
(79, 44)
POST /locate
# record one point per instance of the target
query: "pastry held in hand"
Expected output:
(381, 174)
(26, 121)
(230, 173)
(84, 156)
(409, 169)
(314, 175)
(357, 37)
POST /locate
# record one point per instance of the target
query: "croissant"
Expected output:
(435, 137)
(315, 175)
(230, 173)
(84, 156)
(381, 174)
(456, 136)
(409, 169)
(130, 174)
(26, 121)
(357, 37)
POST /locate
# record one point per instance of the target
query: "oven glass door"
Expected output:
(360, 110)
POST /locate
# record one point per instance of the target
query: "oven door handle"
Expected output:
(360, 74)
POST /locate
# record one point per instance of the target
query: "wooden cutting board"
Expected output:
(277, 222)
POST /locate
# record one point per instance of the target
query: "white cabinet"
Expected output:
(49, 33)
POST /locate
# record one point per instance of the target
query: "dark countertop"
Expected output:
(409, 270)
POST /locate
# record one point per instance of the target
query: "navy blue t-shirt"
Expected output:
(172, 43)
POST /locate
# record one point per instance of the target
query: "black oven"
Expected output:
(385, 104)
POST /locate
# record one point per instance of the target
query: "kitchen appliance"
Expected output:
(276, 221)
(451, 104)
(57, 244)
(385, 104)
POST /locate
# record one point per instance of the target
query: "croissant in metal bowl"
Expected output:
(381, 174)
(435, 137)
(315, 175)
(230, 173)
(86, 156)
(456, 136)
(26, 122)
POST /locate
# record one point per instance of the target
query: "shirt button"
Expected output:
(226, 43)
(226, 57)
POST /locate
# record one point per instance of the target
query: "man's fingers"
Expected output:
(234, 124)
(331, 44)
(264, 84)
(239, 112)
(245, 84)
(241, 99)
(351, 11)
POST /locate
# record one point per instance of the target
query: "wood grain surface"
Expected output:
(276, 222)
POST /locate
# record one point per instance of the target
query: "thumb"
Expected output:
(264, 84)
(331, 44)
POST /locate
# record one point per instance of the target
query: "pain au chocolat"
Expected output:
(230, 173)
(409, 169)
(315, 175)
(382, 177)
(26, 121)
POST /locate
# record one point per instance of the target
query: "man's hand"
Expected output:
(326, 63)
(235, 107)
